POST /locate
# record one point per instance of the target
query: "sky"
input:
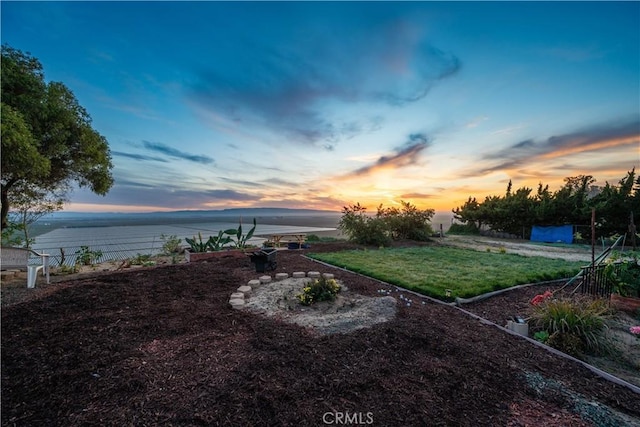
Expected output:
(320, 105)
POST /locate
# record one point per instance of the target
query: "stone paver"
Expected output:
(237, 303)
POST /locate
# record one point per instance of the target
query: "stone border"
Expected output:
(238, 298)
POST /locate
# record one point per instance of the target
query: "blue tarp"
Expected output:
(552, 234)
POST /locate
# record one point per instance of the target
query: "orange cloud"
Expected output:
(591, 146)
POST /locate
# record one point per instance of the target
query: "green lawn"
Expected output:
(432, 270)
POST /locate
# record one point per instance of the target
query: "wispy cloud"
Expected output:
(406, 196)
(594, 139)
(177, 154)
(288, 88)
(476, 121)
(132, 193)
(573, 53)
(407, 155)
(222, 195)
(508, 130)
(139, 157)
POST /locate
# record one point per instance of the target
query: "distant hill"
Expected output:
(236, 212)
(108, 219)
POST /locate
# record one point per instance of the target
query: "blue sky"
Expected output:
(213, 105)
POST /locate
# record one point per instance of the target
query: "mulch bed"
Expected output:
(161, 346)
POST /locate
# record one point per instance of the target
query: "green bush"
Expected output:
(408, 222)
(574, 325)
(170, 244)
(363, 229)
(468, 228)
(623, 271)
(86, 256)
(388, 224)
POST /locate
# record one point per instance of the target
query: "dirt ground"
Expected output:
(161, 346)
(521, 247)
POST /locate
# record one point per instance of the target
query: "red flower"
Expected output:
(541, 297)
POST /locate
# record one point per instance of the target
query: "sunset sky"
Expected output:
(213, 105)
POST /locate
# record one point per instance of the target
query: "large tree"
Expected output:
(47, 138)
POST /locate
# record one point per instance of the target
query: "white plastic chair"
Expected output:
(18, 258)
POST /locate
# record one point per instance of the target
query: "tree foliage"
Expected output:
(47, 138)
(407, 222)
(516, 212)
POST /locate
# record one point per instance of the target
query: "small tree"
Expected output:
(30, 204)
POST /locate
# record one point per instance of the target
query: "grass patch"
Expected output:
(467, 273)
(314, 238)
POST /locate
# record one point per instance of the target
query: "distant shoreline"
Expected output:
(292, 217)
(303, 217)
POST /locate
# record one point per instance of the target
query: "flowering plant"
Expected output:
(541, 297)
(623, 272)
(321, 289)
(635, 330)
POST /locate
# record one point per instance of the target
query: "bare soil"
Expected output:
(162, 346)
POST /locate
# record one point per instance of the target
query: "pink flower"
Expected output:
(541, 297)
(635, 330)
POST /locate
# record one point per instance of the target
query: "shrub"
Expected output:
(142, 259)
(468, 228)
(575, 325)
(170, 244)
(86, 256)
(388, 224)
(408, 222)
(361, 228)
(567, 343)
(321, 289)
(624, 273)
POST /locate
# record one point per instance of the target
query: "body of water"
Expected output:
(123, 236)
(122, 242)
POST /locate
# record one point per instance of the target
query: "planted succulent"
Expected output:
(216, 243)
(197, 245)
(241, 239)
(231, 236)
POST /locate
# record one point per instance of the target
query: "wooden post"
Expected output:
(593, 246)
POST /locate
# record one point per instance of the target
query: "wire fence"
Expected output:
(67, 246)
